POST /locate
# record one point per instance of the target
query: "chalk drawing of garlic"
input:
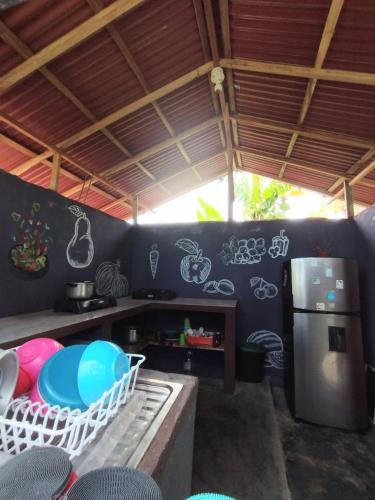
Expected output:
(154, 259)
(80, 250)
(223, 286)
(264, 290)
(273, 345)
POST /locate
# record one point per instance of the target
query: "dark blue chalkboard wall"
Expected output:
(260, 306)
(110, 237)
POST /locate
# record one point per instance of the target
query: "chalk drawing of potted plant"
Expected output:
(194, 267)
(29, 256)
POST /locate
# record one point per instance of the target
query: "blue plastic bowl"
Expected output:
(102, 364)
(57, 382)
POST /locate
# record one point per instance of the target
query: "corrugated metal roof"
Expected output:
(154, 45)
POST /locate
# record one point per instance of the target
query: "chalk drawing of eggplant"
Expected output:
(273, 345)
(224, 286)
(80, 250)
(264, 290)
(154, 259)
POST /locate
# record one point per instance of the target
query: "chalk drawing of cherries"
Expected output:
(264, 289)
(194, 267)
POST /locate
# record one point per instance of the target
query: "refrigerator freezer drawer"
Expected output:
(329, 372)
(325, 284)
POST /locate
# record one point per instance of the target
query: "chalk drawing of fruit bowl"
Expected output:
(26, 263)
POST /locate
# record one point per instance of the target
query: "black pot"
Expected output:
(27, 275)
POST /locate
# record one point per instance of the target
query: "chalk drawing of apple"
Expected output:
(194, 267)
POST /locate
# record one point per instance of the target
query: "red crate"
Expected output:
(208, 341)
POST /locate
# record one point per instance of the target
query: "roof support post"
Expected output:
(348, 200)
(135, 210)
(55, 174)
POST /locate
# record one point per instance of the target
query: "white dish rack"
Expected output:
(25, 424)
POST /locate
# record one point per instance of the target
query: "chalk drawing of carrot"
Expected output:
(154, 259)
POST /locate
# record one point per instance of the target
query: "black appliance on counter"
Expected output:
(154, 294)
(79, 306)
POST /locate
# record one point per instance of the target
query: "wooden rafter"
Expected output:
(202, 29)
(290, 161)
(19, 46)
(183, 170)
(328, 32)
(17, 126)
(55, 176)
(294, 71)
(69, 175)
(224, 107)
(311, 133)
(20, 169)
(136, 105)
(357, 179)
(225, 35)
(160, 147)
(67, 41)
(98, 5)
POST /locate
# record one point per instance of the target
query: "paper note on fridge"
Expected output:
(340, 284)
(329, 272)
(320, 306)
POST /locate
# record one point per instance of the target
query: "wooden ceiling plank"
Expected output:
(294, 71)
(67, 41)
(325, 41)
(136, 105)
(312, 133)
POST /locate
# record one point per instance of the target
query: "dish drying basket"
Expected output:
(25, 424)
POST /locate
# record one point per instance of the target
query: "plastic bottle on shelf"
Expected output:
(187, 325)
(188, 363)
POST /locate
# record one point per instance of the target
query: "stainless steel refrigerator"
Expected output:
(324, 365)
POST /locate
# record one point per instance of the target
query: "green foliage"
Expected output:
(262, 198)
(207, 212)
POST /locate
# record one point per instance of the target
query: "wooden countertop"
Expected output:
(17, 329)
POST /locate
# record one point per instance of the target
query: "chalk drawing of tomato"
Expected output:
(194, 267)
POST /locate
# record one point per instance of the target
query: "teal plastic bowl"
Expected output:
(58, 379)
(210, 496)
(102, 364)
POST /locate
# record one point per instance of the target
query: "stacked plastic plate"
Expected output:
(36, 474)
(115, 483)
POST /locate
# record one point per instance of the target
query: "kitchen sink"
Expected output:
(125, 440)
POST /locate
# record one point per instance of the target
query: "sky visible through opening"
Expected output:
(185, 207)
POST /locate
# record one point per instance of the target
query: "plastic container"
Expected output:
(251, 363)
(34, 353)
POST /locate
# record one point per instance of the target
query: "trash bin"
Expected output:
(251, 362)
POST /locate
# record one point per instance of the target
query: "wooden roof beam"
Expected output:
(119, 167)
(11, 39)
(294, 71)
(225, 35)
(23, 130)
(328, 32)
(67, 41)
(224, 107)
(291, 161)
(97, 5)
(20, 169)
(136, 105)
(311, 133)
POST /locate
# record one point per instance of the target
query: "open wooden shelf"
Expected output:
(190, 347)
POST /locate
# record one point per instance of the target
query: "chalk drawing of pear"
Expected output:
(80, 250)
